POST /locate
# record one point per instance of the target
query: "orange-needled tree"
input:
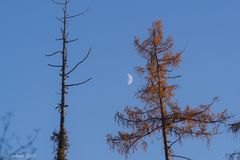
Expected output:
(160, 114)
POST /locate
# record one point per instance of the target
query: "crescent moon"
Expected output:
(130, 79)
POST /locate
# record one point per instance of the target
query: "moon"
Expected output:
(130, 79)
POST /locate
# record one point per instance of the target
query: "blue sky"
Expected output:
(209, 29)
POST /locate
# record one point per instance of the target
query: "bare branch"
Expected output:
(178, 139)
(72, 40)
(60, 19)
(6, 123)
(6, 148)
(79, 63)
(233, 155)
(59, 39)
(77, 84)
(28, 144)
(76, 15)
(177, 156)
(54, 53)
(60, 3)
(53, 65)
(173, 77)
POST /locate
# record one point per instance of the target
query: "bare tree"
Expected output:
(12, 146)
(61, 137)
(161, 115)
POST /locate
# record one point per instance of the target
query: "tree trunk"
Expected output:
(163, 112)
(62, 145)
(165, 136)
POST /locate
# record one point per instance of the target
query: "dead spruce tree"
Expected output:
(60, 137)
(161, 115)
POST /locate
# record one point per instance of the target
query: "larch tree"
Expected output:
(60, 138)
(161, 114)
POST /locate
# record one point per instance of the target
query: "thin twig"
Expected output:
(54, 53)
(77, 84)
(53, 65)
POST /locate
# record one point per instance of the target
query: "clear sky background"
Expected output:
(210, 67)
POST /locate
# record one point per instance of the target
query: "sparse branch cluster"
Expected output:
(10, 145)
(233, 156)
(160, 114)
